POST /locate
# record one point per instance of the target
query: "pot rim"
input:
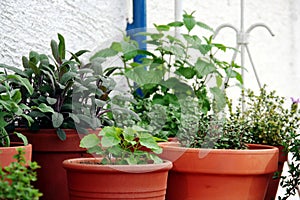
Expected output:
(74, 164)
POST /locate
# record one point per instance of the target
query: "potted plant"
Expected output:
(182, 78)
(269, 122)
(11, 110)
(69, 99)
(16, 179)
(126, 166)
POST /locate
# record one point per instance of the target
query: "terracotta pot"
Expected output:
(273, 185)
(7, 153)
(218, 174)
(87, 180)
(49, 152)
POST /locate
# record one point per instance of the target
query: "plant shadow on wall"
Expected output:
(180, 90)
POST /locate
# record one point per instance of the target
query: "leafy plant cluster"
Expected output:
(199, 130)
(67, 94)
(173, 68)
(267, 118)
(117, 146)
(16, 180)
(291, 182)
(11, 105)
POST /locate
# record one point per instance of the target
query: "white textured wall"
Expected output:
(31, 24)
(277, 59)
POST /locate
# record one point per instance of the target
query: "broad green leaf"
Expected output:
(34, 57)
(104, 53)
(187, 72)
(110, 137)
(67, 76)
(189, 21)
(148, 141)
(204, 68)
(155, 158)
(143, 77)
(89, 141)
(61, 46)
(132, 160)
(116, 46)
(57, 119)
(61, 134)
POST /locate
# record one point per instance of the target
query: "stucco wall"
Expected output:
(277, 59)
(30, 25)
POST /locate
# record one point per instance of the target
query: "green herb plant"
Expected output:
(67, 93)
(123, 146)
(11, 106)
(16, 180)
(172, 69)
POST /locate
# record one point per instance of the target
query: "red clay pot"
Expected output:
(273, 185)
(49, 152)
(219, 174)
(7, 153)
(87, 180)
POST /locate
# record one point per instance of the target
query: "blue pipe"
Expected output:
(139, 24)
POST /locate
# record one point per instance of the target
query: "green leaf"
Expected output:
(176, 24)
(61, 134)
(24, 81)
(204, 68)
(110, 136)
(57, 119)
(148, 141)
(51, 101)
(189, 22)
(74, 117)
(61, 46)
(89, 141)
(205, 26)
(44, 108)
(143, 77)
(219, 98)
(162, 27)
(22, 137)
(187, 72)
(104, 53)
(14, 69)
(54, 49)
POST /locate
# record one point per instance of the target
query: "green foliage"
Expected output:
(199, 130)
(63, 93)
(291, 182)
(128, 146)
(11, 105)
(16, 179)
(172, 69)
(267, 119)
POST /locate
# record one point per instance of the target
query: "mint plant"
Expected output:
(128, 146)
(172, 69)
(16, 180)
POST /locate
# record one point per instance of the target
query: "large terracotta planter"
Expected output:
(7, 153)
(49, 152)
(96, 181)
(273, 185)
(217, 174)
